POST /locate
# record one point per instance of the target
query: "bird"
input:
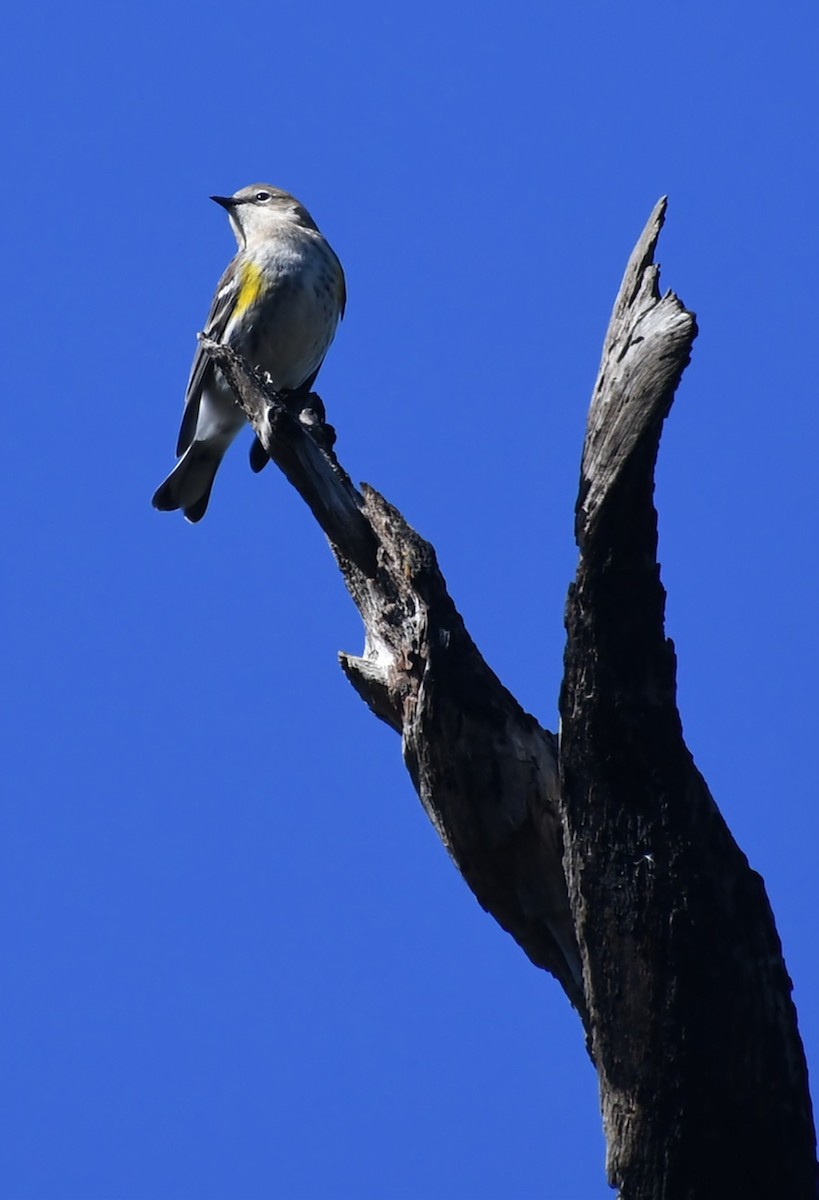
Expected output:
(278, 304)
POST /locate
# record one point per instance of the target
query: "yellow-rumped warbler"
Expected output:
(278, 305)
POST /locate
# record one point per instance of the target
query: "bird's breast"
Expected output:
(288, 324)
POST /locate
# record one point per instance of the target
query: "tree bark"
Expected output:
(609, 862)
(702, 1075)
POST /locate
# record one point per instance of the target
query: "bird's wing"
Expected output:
(220, 313)
(342, 285)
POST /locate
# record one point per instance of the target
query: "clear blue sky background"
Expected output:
(238, 964)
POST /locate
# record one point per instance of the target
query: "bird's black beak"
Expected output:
(227, 202)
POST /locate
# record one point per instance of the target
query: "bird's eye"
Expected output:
(262, 196)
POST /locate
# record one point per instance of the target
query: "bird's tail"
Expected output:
(189, 484)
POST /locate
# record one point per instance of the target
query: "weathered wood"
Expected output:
(702, 1075)
(485, 771)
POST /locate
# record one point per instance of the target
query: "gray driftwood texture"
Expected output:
(608, 861)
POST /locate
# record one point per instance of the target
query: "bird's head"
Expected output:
(259, 210)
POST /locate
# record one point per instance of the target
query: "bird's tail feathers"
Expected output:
(189, 484)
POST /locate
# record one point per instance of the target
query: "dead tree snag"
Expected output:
(608, 861)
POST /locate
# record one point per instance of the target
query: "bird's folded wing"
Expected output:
(220, 313)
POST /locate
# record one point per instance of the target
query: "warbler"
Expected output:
(278, 305)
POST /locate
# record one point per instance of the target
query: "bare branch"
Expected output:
(484, 769)
(302, 452)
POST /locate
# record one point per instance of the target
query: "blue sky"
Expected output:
(238, 964)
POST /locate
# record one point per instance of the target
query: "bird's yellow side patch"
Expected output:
(250, 288)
